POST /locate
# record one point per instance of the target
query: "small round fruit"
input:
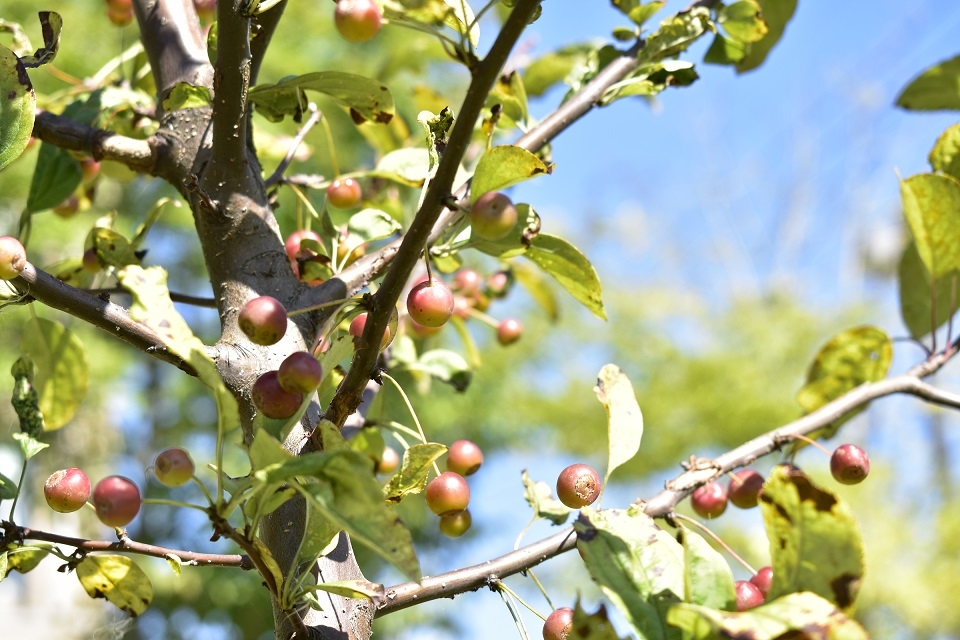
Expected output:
(90, 261)
(498, 284)
(117, 500)
(578, 486)
(493, 216)
(744, 488)
(358, 20)
(89, 170)
(13, 257)
(273, 400)
(849, 464)
(763, 579)
(67, 490)
(558, 624)
(748, 595)
(344, 193)
(263, 320)
(430, 303)
(293, 241)
(173, 467)
(509, 331)
(455, 525)
(709, 500)
(462, 305)
(447, 494)
(464, 458)
(360, 322)
(120, 12)
(467, 281)
(389, 461)
(68, 207)
(300, 373)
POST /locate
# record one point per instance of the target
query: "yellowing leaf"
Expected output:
(931, 205)
(540, 497)
(503, 166)
(570, 268)
(624, 418)
(917, 298)
(118, 579)
(412, 476)
(62, 372)
(367, 99)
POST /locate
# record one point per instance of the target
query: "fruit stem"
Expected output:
(315, 116)
(426, 261)
(482, 317)
(536, 581)
(333, 152)
(173, 503)
(504, 589)
(23, 473)
(413, 414)
(324, 305)
(396, 426)
(717, 539)
(203, 488)
(800, 436)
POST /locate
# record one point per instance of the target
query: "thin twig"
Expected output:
(315, 115)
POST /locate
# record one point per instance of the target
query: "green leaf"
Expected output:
(651, 79)
(266, 557)
(369, 442)
(846, 361)
(186, 96)
(511, 95)
(17, 109)
(369, 224)
(412, 476)
(536, 285)
(51, 24)
(320, 533)
(25, 558)
(175, 563)
(352, 588)
(776, 14)
(367, 99)
(436, 126)
(62, 372)
(931, 205)
(639, 567)
(56, 177)
(798, 615)
(540, 498)
(815, 543)
(624, 418)
(592, 626)
(552, 68)
(517, 241)
(446, 366)
(936, 88)
(570, 268)
(152, 306)
(742, 21)
(637, 11)
(455, 14)
(945, 155)
(917, 298)
(25, 398)
(725, 50)
(118, 579)
(29, 446)
(406, 166)
(675, 35)
(708, 580)
(265, 450)
(8, 488)
(112, 248)
(503, 166)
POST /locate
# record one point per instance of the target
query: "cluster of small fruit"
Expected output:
(448, 495)
(849, 464)
(306, 262)
(116, 499)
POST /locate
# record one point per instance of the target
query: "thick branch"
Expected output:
(139, 155)
(261, 42)
(484, 76)
(114, 319)
(230, 82)
(130, 546)
(662, 504)
(173, 42)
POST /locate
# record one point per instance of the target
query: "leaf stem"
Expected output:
(717, 539)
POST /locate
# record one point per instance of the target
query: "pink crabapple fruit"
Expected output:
(748, 595)
(447, 494)
(66, 490)
(455, 524)
(709, 500)
(421, 331)
(558, 624)
(173, 467)
(849, 464)
(263, 320)
(120, 12)
(300, 373)
(358, 324)
(117, 501)
(464, 458)
(744, 488)
(273, 400)
(430, 303)
(13, 258)
(292, 244)
(344, 193)
(357, 20)
(509, 331)
(763, 579)
(389, 461)
(493, 216)
(578, 486)
(467, 282)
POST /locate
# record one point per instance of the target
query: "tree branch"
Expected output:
(448, 585)
(485, 74)
(140, 548)
(268, 26)
(41, 286)
(174, 44)
(139, 155)
(230, 84)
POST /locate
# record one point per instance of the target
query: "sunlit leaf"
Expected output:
(742, 21)
(540, 497)
(624, 418)
(369, 224)
(707, 576)
(112, 248)
(551, 68)
(29, 445)
(570, 268)
(533, 281)
(945, 155)
(797, 615)
(406, 166)
(8, 488)
(511, 95)
(367, 99)
(936, 88)
(815, 543)
(26, 558)
(917, 297)
(675, 34)
(186, 96)
(446, 366)
(725, 50)
(639, 567)
(118, 579)
(17, 109)
(776, 14)
(412, 477)
(62, 371)
(352, 588)
(931, 205)
(503, 166)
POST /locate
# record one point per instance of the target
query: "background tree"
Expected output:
(128, 111)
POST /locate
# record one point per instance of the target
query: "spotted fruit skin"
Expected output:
(263, 320)
(849, 464)
(447, 494)
(430, 303)
(67, 490)
(558, 624)
(578, 486)
(174, 467)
